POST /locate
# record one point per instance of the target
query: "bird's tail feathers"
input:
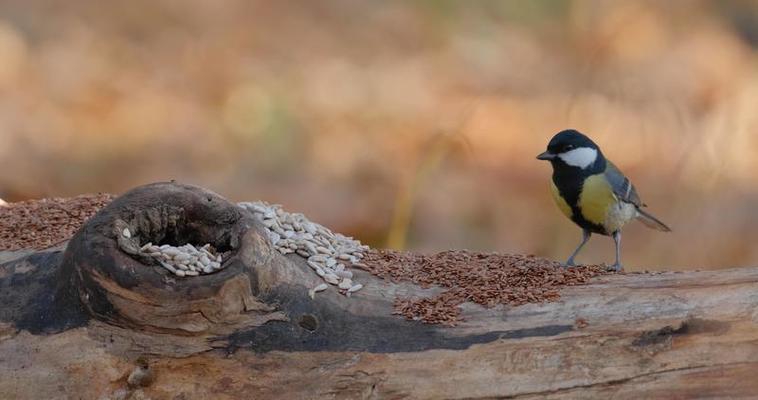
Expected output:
(651, 222)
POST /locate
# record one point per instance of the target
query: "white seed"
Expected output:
(326, 252)
(126, 233)
(318, 258)
(192, 273)
(215, 265)
(320, 288)
(323, 250)
(181, 258)
(345, 284)
(172, 252)
(180, 273)
(344, 274)
(168, 267)
(331, 278)
(208, 270)
(355, 288)
(182, 267)
(146, 247)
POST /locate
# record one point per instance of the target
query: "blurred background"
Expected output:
(408, 124)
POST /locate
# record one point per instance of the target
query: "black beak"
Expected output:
(546, 156)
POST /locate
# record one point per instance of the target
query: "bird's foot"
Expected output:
(569, 263)
(615, 267)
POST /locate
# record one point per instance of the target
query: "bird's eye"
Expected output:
(568, 147)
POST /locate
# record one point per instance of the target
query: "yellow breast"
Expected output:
(596, 199)
(562, 205)
(600, 205)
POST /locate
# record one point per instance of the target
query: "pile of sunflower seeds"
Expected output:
(185, 260)
(329, 254)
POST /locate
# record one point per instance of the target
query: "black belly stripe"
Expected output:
(569, 184)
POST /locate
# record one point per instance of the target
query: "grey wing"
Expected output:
(622, 186)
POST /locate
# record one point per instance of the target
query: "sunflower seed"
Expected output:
(172, 252)
(323, 250)
(331, 278)
(355, 288)
(319, 245)
(168, 267)
(345, 284)
(344, 274)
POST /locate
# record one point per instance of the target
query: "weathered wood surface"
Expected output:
(668, 335)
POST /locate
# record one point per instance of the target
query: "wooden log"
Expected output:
(76, 323)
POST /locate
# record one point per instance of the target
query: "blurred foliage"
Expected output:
(413, 122)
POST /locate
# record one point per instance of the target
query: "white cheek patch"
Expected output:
(582, 157)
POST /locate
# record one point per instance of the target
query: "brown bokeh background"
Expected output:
(405, 123)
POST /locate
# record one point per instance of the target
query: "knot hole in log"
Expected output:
(117, 283)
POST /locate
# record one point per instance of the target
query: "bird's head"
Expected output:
(572, 149)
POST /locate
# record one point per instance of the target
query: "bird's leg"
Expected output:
(585, 237)
(617, 239)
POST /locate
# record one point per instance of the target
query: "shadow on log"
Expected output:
(92, 316)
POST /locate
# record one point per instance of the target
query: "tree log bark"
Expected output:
(76, 321)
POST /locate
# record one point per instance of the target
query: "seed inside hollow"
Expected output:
(185, 260)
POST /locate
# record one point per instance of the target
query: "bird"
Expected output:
(591, 191)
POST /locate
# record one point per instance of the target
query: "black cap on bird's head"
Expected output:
(571, 148)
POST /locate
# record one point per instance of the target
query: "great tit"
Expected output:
(592, 192)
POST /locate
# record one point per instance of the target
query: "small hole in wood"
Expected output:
(309, 322)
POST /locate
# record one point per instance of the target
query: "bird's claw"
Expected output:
(569, 263)
(615, 268)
